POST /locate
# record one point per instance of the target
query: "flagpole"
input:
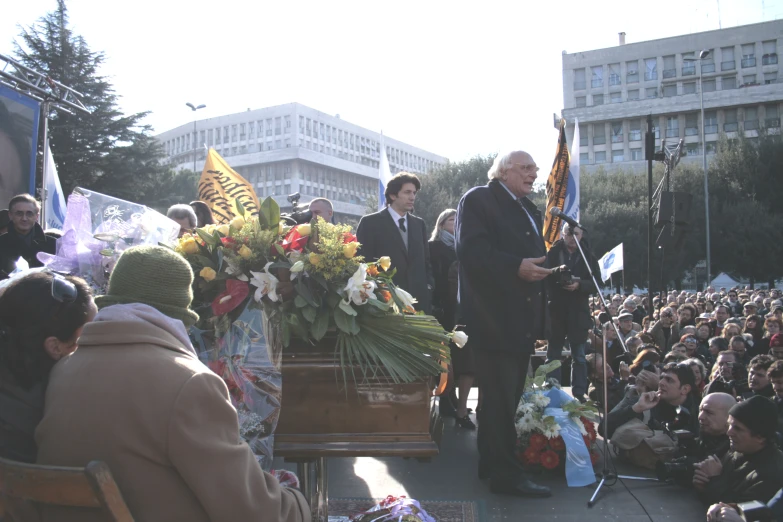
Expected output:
(45, 108)
(623, 249)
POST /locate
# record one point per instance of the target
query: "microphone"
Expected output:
(568, 219)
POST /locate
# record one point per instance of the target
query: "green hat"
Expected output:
(155, 276)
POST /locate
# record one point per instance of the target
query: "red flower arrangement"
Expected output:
(538, 451)
(550, 459)
(294, 241)
(557, 443)
(234, 374)
(531, 456)
(236, 292)
(538, 441)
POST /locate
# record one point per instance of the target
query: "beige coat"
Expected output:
(134, 397)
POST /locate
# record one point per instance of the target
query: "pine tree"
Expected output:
(105, 150)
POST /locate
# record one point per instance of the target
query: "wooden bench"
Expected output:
(90, 487)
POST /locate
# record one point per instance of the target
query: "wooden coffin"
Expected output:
(320, 418)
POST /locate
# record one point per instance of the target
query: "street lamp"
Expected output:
(194, 109)
(702, 55)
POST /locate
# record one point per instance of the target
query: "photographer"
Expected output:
(753, 469)
(730, 376)
(569, 307)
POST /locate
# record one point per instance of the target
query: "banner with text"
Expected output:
(556, 188)
(220, 186)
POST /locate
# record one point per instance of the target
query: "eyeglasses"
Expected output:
(530, 168)
(63, 290)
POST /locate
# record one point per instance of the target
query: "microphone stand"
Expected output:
(606, 473)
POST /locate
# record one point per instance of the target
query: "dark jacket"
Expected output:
(747, 477)
(20, 412)
(494, 235)
(444, 301)
(661, 413)
(379, 236)
(659, 337)
(13, 246)
(571, 310)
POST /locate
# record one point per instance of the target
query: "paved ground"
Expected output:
(452, 476)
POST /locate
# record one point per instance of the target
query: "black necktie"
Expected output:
(401, 221)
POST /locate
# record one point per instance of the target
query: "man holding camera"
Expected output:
(753, 469)
(569, 309)
(731, 376)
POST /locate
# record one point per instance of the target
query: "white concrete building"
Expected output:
(292, 148)
(611, 91)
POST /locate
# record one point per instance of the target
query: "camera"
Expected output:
(562, 275)
(679, 468)
(299, 213)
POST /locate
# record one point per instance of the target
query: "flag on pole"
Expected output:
(571, 208)
(556, 187)
(54, 212)
(611, 262)
(384, 175)
(220, 186)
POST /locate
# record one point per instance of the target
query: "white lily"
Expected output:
(407, 299)
(459, 338)
(359, 289)
(265, 283)
(296, 269)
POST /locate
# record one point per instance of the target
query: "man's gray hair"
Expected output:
(501, 164)
(183, 211)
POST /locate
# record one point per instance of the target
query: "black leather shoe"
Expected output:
(521, 488)
(465, 422)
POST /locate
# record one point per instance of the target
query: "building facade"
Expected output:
(611, 91)
(292, 148)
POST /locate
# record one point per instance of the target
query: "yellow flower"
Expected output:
(210, 229)
(207, 273)
(280, 227)
(237, 223)
(314, 259)
(189, 245)
(349, 249)
(304, 230)
(223, 229)
(245, 252)
(385, 263)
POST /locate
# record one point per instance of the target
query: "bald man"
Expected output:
(714, 423)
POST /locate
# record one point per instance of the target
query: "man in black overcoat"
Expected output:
(397, 233)
(25, 237)
(503, 301)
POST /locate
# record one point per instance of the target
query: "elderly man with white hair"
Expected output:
(502, 299)
(185, 217)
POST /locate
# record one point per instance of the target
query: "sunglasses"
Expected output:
(63, 291)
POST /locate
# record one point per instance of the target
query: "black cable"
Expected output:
(636, 499)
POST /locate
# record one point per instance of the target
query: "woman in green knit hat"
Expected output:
(136, 396)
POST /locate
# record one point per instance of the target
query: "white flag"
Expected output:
(384, 175)
(611, 262)
(55, 199)
(571, 205)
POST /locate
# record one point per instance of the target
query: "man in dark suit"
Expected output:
(396, 233)
(25, 237)
(503, 302)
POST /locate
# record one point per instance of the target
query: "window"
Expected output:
(209, 137)
(617, 155)
(579, 79)
(632, 76)
(599, 135)
(748, 55)
(636, 155)
(615, 97)
(770, 56)
(600, 157)
(241, 131)
(669, 70)
(269, 126)
(710, 122)
(708, 85)
(730, 117)
(673, 127)
(635, 131)
(225, 134)
(614, 74)
(749, 79)
(688, 64)
(669, 90)
(772, 116)
(751, 119)
(633, 94)
(617, 132)
(728, 82)
(652, 92)
(708, 63)
(692, 149)
(584, 157)
(581, 101)
(727, 59)
(583, 139)
(233, 133)
(598, 99)
(692, 124)
(650, 69)
(597, 76)
(689, 88)
(770, 77)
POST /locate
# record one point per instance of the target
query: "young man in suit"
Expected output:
(396, 233)
(502, 297)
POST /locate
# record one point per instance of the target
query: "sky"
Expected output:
(455, 78)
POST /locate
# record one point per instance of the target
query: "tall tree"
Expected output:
(105, 150)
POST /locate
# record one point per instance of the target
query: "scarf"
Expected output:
(448, 239)
(142, 313)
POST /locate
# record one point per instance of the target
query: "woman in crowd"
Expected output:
(703, 334)
(731, 330)
(754, 326)
(771, 327)
(443, 258)
(647, 359)
(203, 213)
(41, 319)
(699, 373)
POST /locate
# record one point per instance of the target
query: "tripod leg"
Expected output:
(591, 502)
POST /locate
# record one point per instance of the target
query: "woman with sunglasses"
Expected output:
(41, 318)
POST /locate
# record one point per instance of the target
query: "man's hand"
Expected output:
(625, 371)
(723, 512)
(530, 271)
(711, 467)
(571, 287)
(647, 401)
